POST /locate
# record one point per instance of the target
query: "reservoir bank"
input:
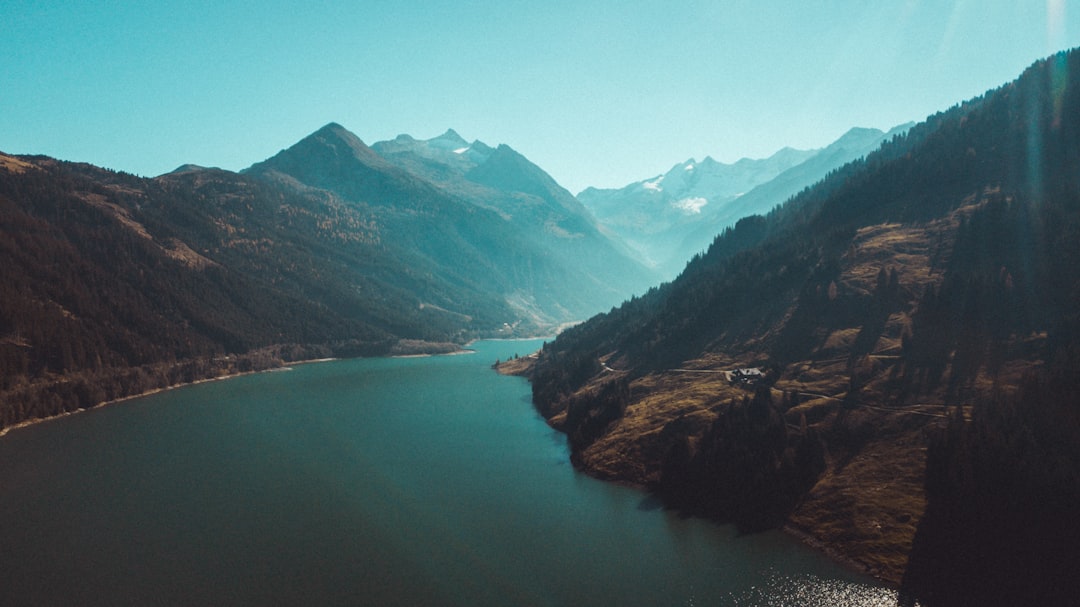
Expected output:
(389, 481)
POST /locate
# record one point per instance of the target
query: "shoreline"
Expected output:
(807, 539)
(461, 352)
(522, 368)
(802, 536)
(41, 420)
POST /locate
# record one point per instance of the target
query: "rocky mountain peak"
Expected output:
(451, 137)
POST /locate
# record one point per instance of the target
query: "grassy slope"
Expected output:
(867, 504)
(899, 290)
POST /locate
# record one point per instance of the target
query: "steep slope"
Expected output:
(518, 246)
(544, 215)
(914, 315)
(334, 159)
(675, 216)
(854, 144)
(655, 215)
(446, 236)
(114, 284)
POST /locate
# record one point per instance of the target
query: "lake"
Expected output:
(404, 481)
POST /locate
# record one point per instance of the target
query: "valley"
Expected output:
(115, 284)
(907, 301)
(540, 304)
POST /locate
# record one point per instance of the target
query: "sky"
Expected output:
(597, 93)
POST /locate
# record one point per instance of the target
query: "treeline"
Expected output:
(1013, 273)
(104, 272)
(1011, 268)
(1000, 526)
(54, 395)
(750, 467)
(1006, 288)
(86, 285)
(26, 398)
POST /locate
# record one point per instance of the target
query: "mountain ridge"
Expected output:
(481, 202)
(671, 217)
(333, 158)
(505, 181)
(910, 316)
(115, 284)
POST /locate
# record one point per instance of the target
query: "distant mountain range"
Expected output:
(669, 218)
(873, 345)
(114, 284)
(530, 241)
(911, 329)
(551, 219)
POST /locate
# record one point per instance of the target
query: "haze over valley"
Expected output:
(882, 364)
(670, 218)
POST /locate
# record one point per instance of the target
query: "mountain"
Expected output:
(336, 160)
(111, 284)
(910, 325)
(438, 158)
(714, 181)
(547, 216)
(654, 215)
(488, 217)
(499, 178)
(674, 216)
(114, 284)
(184, 168)
(761, 199)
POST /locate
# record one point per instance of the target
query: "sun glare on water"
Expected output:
(813, 591)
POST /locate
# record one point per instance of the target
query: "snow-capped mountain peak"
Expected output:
(670, 217)
(450, 140)
(654, 184)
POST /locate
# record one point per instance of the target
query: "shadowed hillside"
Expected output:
(113, 284)
(895, 310)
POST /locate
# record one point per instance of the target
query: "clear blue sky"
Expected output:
(596, 92)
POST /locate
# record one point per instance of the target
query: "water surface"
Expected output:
(409, 481)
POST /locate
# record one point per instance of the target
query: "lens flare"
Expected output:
(1055, 24)
(1059, 81)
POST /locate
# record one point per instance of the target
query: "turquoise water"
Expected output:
(409, 481)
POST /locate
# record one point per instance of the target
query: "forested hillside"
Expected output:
(112, 284)
(915, 317)
(670, 218)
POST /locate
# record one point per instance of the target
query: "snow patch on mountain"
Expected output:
(691, 206)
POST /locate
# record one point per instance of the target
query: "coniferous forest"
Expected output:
(916, 316)
(885, 364)
(105, 297)
(114, 285)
